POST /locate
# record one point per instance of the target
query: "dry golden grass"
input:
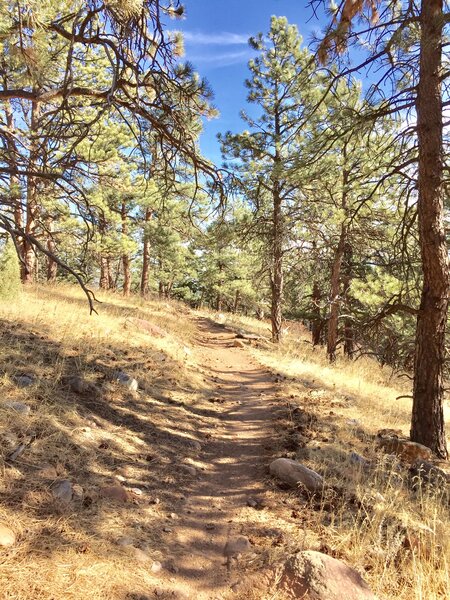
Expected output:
(104, 437)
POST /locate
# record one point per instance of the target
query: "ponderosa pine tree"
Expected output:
(65, 66)
(407, 43)
(282, 86)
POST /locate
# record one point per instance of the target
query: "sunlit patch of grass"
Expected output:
(107, 436)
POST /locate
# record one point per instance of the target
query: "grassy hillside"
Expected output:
(107, 436)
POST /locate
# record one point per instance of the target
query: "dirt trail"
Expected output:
(234, 463)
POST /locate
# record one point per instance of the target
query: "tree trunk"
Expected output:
(126, 261)
(276, 279)
(146, 256)
(317, 325)
(105, 274)
(29, 255)
(335, 297)
(14, 182)
(52, 266)
(427, 424)
(335, 300)
(349, 341)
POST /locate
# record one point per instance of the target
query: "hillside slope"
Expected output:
(118, 493)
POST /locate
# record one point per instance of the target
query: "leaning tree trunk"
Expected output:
(427, 424)
(277, 280)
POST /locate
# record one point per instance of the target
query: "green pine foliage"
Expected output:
(9, 271)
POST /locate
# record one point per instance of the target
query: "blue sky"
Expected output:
(216, 35)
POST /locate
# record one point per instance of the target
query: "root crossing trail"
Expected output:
(215, 511)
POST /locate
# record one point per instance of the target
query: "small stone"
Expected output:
(114, 492)
(19, 407)
(7, 536)
(154, 501)
(62, 490)
(121, 478)
(173, 516)
(127, 381)
(190, 470)
(80, 386)
(137, 491)
(194, 445)
(294, 474)
(210, 526)
(25, 380)
(167, 529)
(238, 344)
(358, 460)
(236, 546)
(156, 567)
(78, 492)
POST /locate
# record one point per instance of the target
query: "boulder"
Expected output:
(315, 576)
(7, 536)
(406, 450)
(294, 474)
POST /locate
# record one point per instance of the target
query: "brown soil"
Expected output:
(234, 468)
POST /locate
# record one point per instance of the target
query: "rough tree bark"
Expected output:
(52, 265)
(427, 424)
(126, 261)
(276, 276)
(146, 255)
(335, 284)
(335, 299)
(349, 335)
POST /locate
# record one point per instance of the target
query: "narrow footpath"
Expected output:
(209, 540)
